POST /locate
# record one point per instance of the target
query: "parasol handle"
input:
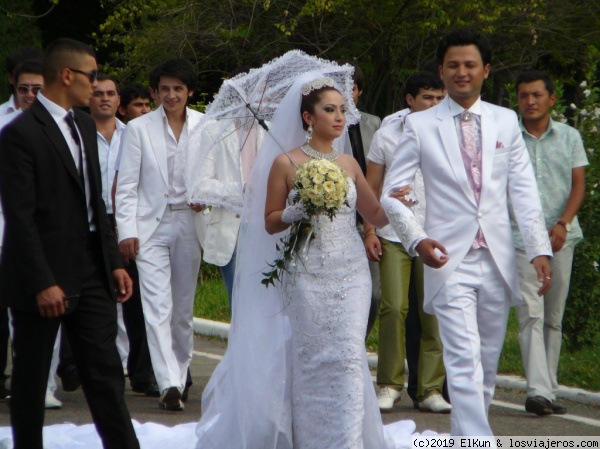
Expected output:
(261, 121)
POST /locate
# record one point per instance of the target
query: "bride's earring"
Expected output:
(309, 133)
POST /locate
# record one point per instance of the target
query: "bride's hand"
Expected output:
(294, 213)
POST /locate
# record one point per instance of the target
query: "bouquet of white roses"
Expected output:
(322, 186)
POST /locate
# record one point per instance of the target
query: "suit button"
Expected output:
(157, 219)
(479, 215)
(237, 215)
(166, 196)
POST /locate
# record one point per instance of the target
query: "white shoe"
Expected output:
(51, 402)
(387, 397)
(435, 403)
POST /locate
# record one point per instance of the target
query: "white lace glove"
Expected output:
(294, 213)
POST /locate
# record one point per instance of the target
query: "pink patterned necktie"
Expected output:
(469, 135)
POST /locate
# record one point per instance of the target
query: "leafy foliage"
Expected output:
(581, 322)
(18, 30)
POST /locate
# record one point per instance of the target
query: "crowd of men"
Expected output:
(95, 214)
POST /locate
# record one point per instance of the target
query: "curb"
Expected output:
(507, 381)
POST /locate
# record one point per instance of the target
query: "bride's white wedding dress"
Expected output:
(328, 299)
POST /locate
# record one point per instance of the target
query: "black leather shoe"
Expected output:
(138, 387)
(558, 409)
(70, 380)
(4, 392)
(538, 405)
(152, 390)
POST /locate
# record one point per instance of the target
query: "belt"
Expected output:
(173, 207)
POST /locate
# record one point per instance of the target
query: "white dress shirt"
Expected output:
(107, 154)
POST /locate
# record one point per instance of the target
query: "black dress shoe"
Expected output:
(152, 390)
(70, 380)
(139, 387)
(4, 392)
(558, 409)
(538, 405)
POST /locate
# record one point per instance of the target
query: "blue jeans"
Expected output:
(228, 273)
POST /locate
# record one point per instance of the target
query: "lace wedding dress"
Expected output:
(328, 304)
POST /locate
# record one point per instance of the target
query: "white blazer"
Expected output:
(142, 185)
(452, 216)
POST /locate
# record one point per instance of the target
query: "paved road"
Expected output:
(506, 415)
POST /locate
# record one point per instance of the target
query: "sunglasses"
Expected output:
(92, 76)
(23, 89)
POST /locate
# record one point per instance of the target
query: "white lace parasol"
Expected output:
(238, 119)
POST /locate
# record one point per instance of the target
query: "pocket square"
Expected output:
(499, 144)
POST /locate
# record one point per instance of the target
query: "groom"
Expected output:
(473, 160)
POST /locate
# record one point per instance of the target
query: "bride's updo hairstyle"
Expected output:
(311, 95)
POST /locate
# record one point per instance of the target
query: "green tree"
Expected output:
(19, 29)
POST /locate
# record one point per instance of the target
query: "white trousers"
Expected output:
(472, 311)
(168, 265)
(540, 322)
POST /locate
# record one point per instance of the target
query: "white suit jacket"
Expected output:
(142, 185)
(452, 216)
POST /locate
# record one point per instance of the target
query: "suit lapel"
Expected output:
(156, 134)
(57, 140)
(489, 136)
(447, 130)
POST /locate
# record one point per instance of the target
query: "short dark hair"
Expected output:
(132, 91)
(421, 80)
(182, 69)
(358, 77)
(59, 55)
(310, 100)
(462, 38)
(28, 66)
(535, 75)
(16, 57)
(103, 77)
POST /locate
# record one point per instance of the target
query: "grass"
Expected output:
(578, 369)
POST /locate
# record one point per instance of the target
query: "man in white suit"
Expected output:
(473, 159)
(157, 227)
(220, 183)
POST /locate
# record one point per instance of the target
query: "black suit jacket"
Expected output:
(45, 209)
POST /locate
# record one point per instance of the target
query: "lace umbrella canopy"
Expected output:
(236, 122)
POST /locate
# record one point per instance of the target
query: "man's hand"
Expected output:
(123, 284)
(51, 302)
(197, 207)
(400, 193)
(129, 249)
(428, 254)
(372, 247)
(544, 273)
(558, 236)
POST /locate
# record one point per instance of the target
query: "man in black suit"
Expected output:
(60, 262)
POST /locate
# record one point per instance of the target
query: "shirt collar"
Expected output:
(546, 133)
(456, 109)
(164, 115)
(57, 112)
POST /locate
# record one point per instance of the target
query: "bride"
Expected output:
(295, 374)
(329, 295)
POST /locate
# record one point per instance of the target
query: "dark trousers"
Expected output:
(4, 342)
(139, 365)
(91, 329)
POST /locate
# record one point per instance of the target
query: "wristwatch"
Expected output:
(565, 225)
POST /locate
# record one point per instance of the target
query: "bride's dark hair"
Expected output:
(310, 100)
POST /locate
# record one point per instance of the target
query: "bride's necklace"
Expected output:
(311, 152)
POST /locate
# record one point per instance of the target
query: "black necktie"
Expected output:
(71, 122)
